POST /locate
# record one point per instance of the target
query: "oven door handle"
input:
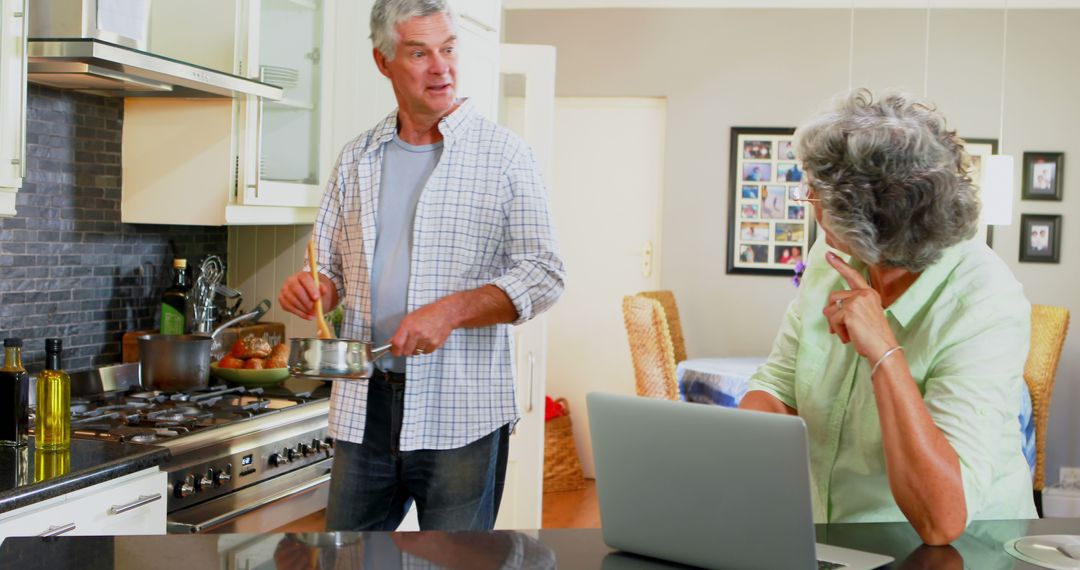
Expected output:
(228, 516)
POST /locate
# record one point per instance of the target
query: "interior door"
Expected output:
(607, 199)
(527, 106)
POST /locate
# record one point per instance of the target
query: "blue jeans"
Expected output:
(373, 484)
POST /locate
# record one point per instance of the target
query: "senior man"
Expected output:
(435, 233)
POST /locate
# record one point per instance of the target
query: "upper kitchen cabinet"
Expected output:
(255, 161)
(12, 102)
(243, 161)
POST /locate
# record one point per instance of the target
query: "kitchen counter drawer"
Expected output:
(126, 505)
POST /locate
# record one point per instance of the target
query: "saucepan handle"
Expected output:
(377, 353)
(255, 315)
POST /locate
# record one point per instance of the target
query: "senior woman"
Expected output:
(904, 349)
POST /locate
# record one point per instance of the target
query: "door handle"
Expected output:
(142, 500)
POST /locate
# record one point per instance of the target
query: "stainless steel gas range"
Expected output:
(243, 460)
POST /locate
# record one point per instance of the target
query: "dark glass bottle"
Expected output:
(14, 394)
(52, 432)
(174, 301)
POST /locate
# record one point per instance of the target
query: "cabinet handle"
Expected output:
(477, 23)
(21, 14)
(142, 500)
(258, 148)
(532, 366)
(58, 530)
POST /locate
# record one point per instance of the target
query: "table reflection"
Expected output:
(51, 464)
(979, 547)
(501, 550)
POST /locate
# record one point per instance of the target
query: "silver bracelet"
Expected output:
(887, 354)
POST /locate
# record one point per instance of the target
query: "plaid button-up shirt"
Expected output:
(482, 219)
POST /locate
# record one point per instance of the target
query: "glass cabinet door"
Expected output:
(291, 139)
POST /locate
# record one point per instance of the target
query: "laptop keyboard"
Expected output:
(823, 565)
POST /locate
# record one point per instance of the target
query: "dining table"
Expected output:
(720, 381)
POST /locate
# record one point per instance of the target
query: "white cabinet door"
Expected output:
(286, 147)
(478, 67)
(12, 101)
(133, 504)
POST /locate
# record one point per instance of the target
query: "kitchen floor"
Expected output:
(566, 509)
(572, 509)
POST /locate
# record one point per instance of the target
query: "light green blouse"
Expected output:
(965, 326)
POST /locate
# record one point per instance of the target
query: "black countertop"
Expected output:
(28, 475)
(980, 547)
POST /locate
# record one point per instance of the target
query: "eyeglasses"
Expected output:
(803, 192)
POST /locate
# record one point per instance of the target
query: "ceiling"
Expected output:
(858, 4)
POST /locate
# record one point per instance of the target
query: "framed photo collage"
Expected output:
(768, 231)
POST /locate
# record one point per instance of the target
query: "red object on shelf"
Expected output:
(552, 409)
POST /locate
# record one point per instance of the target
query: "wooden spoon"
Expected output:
(324, 329)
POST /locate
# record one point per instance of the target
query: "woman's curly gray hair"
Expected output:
(893, 181)
(387, 14)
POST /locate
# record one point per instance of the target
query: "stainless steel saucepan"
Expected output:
(333, 358)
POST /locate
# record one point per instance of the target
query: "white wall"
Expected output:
(722, 68)
(261, 258)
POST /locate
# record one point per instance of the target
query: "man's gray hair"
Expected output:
(893, 181)
(386, 15)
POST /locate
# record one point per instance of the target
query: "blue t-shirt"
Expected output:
(405, 170)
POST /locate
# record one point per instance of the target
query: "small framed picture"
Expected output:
(1040, 238)
(1043, 175)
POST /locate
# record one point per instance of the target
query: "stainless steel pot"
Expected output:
(333, 358)
(182, 362)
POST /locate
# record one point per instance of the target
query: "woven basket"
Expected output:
(562, 467)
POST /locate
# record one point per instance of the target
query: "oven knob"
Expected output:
(223, 476)
(306, 450)
(185, 488)
(293, 453)
(329, 441)
(204, 481)
(276, 460)
(319, 445)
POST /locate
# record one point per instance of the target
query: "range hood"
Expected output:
(99, 67)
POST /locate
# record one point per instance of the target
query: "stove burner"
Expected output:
(126, 406)
(167, 416)
(151, 416)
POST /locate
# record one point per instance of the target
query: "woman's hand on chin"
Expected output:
(856, 316)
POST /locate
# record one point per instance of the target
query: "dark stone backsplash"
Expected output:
(68, 267)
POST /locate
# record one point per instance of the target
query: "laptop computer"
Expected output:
(708, 486)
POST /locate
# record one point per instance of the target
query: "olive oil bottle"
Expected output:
(14, 394)
(174, 301)
(52, 432)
